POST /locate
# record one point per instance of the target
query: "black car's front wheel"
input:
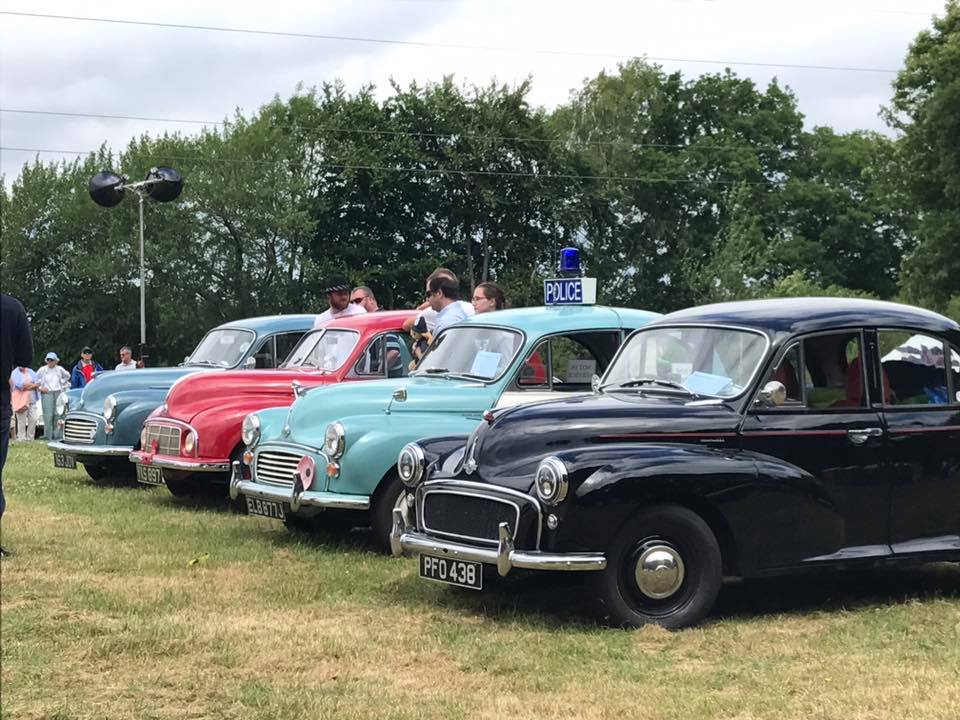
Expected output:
(664, 567)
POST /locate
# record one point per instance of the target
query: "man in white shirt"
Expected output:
(126, 360)
(443, 294)
(338, 295)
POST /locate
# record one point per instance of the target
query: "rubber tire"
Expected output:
(619, 599)
(381, 509)
(111, 469)
(180, 487)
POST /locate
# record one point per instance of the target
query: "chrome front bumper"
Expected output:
(59, 446)
(295, 496)
(404, 538)
(165, 461)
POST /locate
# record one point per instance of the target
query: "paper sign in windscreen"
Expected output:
(580, 371)
(485, 364)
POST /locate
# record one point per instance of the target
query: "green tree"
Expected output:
(926, 111)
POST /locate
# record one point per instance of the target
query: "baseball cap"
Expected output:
(336, 283)
(86, 349)
(52, 356)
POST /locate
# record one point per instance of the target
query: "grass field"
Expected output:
(124, 602)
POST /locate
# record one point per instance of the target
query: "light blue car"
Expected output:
(102, 422)
(335, 448)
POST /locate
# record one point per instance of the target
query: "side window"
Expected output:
(569, 362)
(265, 355)
(390, 351)
(955, 373)
(833, 371)
(914, 369)
(285, 344)
(787, 372)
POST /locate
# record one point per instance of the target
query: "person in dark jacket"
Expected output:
(16, 350)
(84, 369)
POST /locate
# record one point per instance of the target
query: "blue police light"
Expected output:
(569, 262)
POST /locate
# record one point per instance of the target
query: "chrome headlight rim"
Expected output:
(250, 430)
(551, 481)
(191, 443)
(334, 440)
(109, 407)
(63, 404)
(412, 457)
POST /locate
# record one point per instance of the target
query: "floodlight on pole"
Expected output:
(163, 184)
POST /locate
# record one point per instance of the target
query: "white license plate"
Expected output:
(64, 461)
(149, 475)
(265, 508)
(462, 573)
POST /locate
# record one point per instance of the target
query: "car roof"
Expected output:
(540, 320)
(272, 323)
(382, 320)
(810, 314)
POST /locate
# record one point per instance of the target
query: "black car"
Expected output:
(742, 439)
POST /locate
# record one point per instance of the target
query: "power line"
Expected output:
(447, 46)
(409, 133)
(429, 171)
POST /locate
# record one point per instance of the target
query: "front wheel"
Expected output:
(391, 494)
(664, 568)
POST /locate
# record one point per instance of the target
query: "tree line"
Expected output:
(678, 191)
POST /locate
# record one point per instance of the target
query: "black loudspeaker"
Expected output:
(105, 188)
(170, 185)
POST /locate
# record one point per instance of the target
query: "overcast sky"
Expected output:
(78, 66)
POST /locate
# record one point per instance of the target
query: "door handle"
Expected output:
(859, 437)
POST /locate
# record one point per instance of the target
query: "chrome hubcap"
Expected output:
(659, 570)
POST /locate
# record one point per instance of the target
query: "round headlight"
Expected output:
(410, 465)
(190, 443)
(250, 430)
(63, 402)
(143, 438)
(333, 440)
(551, 481)
(109, 407)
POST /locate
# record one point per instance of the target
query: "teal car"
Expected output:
(102, 422)
(334, 451)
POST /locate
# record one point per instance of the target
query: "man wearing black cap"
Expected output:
(338, 295)
(84, 369)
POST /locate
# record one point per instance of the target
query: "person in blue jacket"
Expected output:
(84, 369)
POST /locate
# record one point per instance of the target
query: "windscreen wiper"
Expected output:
(636, 382)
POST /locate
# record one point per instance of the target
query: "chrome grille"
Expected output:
(77, 430)
(468, 516)
(277, 468)
(167, 437)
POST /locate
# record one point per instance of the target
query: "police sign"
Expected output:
(570, 291)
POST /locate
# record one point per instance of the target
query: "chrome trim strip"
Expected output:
(101, 450)
(191, 465)
(404, 539)
(306, 498)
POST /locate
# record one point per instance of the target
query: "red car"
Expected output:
(190, 441)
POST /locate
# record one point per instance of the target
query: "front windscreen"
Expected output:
(697, 361)
(323, 349)
(475, 353)
(222, 348)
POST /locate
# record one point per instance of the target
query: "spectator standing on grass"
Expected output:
(443, 294)
(487, 297)
(338, 296)
(53, 380)
(16, 349)
(126, 359)
(84, 369)
(24, 395)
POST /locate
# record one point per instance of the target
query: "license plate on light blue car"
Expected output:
(265, 508)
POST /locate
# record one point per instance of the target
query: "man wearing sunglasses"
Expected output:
(337, 289)
(363, 296)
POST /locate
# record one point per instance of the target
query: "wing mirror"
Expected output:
(595, 383)
(773, 394)
(250, 363)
